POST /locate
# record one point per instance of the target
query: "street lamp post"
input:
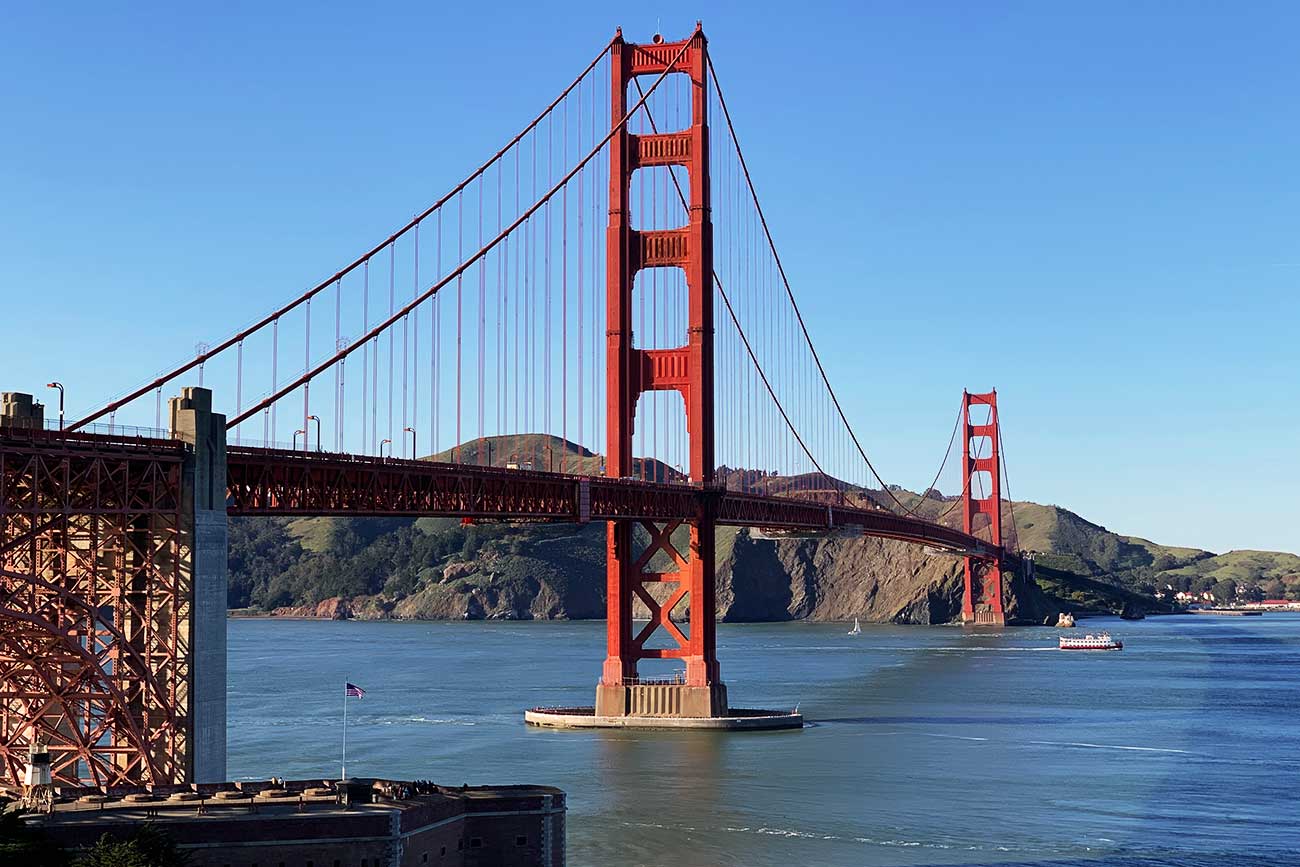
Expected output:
(382, 443)
(316, 419)
(411, 431)
(59, 386)
(295, 439)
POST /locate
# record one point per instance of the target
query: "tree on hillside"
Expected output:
(1225, 590)
(21, 844)
(146, 846)
(1273, 588)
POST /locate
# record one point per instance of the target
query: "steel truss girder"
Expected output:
(296, 483)
(94, 608)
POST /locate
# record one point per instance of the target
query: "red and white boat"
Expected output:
(1100, 641)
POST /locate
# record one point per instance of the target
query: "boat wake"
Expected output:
(1085, 745)
(890, 842)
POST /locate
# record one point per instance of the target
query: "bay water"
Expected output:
(927, 745)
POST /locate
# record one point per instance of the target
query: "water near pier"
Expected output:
(932, 746)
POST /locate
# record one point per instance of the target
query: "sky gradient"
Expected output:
(1092, 207)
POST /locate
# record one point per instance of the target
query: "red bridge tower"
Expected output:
(688, 369)
(982, 599)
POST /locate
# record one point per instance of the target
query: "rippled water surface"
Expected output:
(931, 745)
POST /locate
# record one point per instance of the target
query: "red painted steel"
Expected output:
(95, 602)
(687, 369)
(297, 483)
(982, 595)
(283, 482)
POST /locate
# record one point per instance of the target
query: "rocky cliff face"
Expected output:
(877, 580)
(758, 580)
(438, 568)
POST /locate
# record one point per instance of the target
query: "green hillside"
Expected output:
(297, 562)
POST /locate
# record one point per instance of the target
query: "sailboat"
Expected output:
(857, 628)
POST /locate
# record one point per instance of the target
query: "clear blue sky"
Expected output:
(1094, 207)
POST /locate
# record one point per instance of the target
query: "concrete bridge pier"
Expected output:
(21, 410)
(204, 550)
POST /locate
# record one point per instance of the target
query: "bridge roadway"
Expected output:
(283, 482)
(265, 481)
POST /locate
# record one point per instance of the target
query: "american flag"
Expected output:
(354, 691)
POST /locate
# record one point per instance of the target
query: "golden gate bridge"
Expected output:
(604, 284)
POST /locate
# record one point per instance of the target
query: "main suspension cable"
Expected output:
(465, 265)
(1002, 465)
(732, 313)
(343, 272)
(722, 102)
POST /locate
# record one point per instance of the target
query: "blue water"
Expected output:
(931, 745)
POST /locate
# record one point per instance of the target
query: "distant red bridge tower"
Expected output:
(981, 458)
(687, 369)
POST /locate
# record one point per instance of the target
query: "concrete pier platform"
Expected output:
(737, 719)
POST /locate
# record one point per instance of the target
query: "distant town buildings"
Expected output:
(1207, 598)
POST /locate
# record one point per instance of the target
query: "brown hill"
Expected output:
(435, 568)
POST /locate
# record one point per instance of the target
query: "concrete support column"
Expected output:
(205, 538)
(18, 409)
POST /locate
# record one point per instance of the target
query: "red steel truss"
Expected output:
(94, 608)
(982, 597)
(284, 482)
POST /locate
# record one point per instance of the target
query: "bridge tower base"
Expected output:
(982, 599)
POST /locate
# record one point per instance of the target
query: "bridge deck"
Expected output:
(283, 482)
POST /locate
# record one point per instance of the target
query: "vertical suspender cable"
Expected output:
(482, 325)
(547, 312)
(306, 386)
(564, 298)
(415, 341)
(435, 378)
(392, 308)
(460, 318)
(517, 427)
(239, 386)
(269, 434)
(365, 354)
(500, 336)
(582, 205)
(338, 369)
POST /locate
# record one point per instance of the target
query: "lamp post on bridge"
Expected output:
(411, 431)
(295, 439)
(382, 443)
(305, 444)
(59, 386)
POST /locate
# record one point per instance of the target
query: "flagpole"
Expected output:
(344, 775)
